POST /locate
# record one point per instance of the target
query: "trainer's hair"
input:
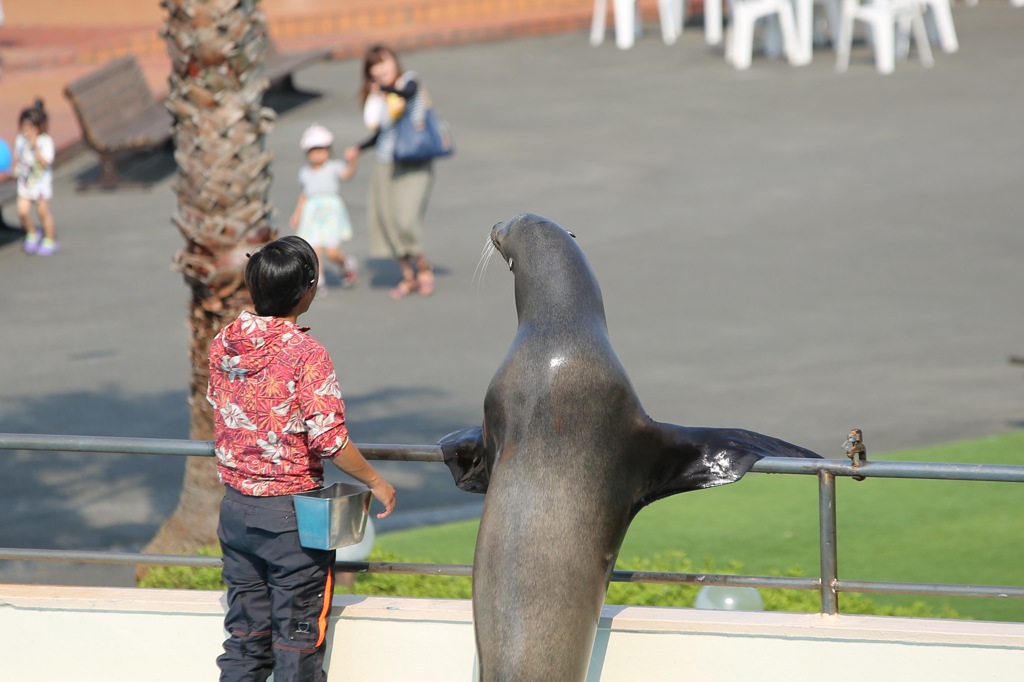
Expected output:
(280, 274)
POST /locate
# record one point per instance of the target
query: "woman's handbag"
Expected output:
(420, 138)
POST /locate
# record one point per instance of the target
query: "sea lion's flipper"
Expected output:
(464, 454)
(706, 457)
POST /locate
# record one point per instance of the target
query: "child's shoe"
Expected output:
(48, 247)
(350, 274)
(31, 243)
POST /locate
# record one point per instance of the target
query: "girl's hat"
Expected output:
(315, 137)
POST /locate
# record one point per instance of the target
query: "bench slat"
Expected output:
(126, 64)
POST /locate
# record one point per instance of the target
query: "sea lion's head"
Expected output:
(550, 269)
(528, 236)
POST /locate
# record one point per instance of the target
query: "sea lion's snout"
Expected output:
(498, 234)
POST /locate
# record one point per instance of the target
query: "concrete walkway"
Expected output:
(787, 250)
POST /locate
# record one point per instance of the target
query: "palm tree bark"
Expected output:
(216, 94)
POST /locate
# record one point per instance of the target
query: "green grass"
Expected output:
(888, 529)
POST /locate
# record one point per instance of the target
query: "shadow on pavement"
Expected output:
(11, 235)
(89, 500)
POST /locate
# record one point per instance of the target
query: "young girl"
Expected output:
(33, 166)
(320, 215)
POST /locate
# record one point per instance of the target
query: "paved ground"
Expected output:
(787, 250)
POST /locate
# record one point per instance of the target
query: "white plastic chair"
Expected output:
(883, 16)
(624, 14)
(739, 47)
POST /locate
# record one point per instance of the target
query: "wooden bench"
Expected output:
(118, 113)
(8, 193)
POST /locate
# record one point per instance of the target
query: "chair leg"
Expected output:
(669, 22)
(791, 37)
(597, 23)
(943, 17)
(844, 38)
(624, 12)
(885, 45)
(924, 50)
(741, 37)
(713, 21)
(804, 13)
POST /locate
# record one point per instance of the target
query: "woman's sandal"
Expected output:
(425, 282)
(403, 289)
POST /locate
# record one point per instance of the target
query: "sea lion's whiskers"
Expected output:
(485, 258)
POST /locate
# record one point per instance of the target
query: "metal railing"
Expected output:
(828, 584)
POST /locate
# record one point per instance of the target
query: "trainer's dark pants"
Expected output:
(279, 593)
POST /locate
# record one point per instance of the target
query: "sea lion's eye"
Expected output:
(571, 234)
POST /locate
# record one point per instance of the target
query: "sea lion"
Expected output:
(567, 456)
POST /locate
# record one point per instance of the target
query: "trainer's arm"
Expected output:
(352, 462)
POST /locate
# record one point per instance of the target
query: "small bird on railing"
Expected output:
(855, 450)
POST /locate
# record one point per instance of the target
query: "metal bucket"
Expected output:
(332, 517)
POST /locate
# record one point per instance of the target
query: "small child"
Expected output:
(320, 215)
(33, 166)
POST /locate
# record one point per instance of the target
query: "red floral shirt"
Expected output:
(277, 406)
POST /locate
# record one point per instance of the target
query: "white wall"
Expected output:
(84, 634)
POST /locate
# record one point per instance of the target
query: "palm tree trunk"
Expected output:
(223, 181)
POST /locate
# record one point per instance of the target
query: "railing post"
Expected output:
(827, 542)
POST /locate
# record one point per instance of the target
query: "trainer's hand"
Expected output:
(385, 494)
